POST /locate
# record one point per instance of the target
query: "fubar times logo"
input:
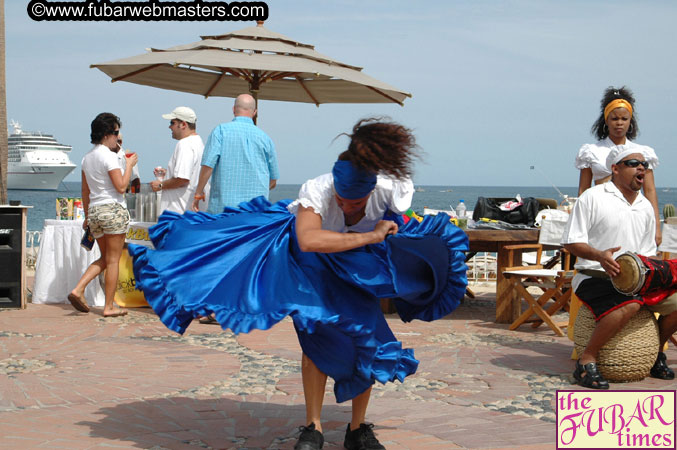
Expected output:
(615, 419)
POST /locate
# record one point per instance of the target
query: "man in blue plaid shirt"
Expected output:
(239, 158)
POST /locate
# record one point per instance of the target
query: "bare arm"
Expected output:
(172, 183)
(584, 180)
(650, 194)
(312, 238)
(205, 174)
(604, 257)
(85, 197)
(272, 184)
(120, 180)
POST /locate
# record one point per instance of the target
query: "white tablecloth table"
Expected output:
(62, 261)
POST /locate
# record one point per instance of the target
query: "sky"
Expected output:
(497, 86)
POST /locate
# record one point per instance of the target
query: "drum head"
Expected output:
(631, 278)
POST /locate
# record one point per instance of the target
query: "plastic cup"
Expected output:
(159, 173)
(129, 155)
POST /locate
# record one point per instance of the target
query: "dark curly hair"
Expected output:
(103, 125)
(380, 146)
(599, 128)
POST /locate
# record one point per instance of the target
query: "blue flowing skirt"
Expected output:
(245, 266)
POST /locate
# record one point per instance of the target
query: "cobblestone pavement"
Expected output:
(78, 381)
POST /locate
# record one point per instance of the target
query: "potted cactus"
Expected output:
(669, 212)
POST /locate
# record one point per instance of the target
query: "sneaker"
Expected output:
(362, 439)
(660, 368)
(310, 438)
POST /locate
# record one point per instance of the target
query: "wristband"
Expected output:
(199, 197)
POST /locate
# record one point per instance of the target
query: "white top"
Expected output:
(123, 165)
(319, 194)
(593, 156)
(603, 218)
(96, 164)
(184, 163)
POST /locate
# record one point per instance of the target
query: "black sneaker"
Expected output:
(362, 439)
(310, 438)
(660, 368)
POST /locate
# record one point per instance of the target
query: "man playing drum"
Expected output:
(607, 220)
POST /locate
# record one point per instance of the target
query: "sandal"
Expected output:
(588, 376)
(208, 319)
(660, 368)
(78, 303)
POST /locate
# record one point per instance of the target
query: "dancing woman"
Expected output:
(325, 260)
(615, 126)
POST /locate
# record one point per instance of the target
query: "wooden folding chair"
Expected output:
(555, 286)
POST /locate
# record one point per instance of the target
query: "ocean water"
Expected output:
(435, 197)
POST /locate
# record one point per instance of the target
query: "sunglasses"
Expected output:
(635, 162)
(116, 132)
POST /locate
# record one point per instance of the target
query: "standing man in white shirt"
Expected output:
(183, 170)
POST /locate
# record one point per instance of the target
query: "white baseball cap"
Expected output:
(183, 113)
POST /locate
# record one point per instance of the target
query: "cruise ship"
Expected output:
(36, 160)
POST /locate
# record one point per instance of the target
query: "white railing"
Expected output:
(482, 267)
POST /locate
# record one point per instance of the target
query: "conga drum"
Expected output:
(646, 277)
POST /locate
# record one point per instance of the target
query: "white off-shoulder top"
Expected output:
(319, 194)
(593, 156)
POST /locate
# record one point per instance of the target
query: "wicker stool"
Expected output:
(630, 354)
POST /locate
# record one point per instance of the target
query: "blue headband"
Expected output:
(352, 182)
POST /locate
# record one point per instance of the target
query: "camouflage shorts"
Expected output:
(111, 218)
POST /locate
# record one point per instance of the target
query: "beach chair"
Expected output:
(554, 283)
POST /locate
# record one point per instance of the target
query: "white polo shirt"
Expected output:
(603, 218)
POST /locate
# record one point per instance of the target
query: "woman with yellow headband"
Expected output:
(615, 127)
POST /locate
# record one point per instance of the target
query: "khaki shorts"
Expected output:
(111, 218)
(664, 308)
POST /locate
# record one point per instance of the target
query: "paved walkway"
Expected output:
(78, 381)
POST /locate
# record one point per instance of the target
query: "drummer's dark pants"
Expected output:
(601, 298)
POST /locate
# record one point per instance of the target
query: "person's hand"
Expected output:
(659, 237)
(384, 228)
(85, 224)
(155, 185)
(608, 262)
(196, 201)
(132, 159)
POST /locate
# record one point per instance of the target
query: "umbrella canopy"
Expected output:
(269, 65)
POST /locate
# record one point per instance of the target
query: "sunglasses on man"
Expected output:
(634, 163)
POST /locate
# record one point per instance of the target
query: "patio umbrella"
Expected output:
(267, 64)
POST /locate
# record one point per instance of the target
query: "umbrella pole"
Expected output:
(255, 94)
(254, 85)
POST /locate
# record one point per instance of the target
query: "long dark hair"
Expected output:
(599, 128)
(102, 126)
(380, 146)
